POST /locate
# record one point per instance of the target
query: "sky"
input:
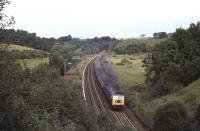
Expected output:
(90, 18)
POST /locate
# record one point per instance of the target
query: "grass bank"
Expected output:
(16, 47)
(131, 79)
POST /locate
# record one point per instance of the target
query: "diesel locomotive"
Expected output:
(110, 88)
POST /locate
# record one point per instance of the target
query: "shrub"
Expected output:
(170, 117)
(197, 116)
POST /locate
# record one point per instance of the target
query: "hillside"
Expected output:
(27, 56)
(12, 47)
(188, 96)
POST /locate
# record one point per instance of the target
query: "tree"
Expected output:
(176, 61)
(194, 29)
(197, 116)
(4, 19)
(182, 36)
(57, 60)
(160, 35)
(170, 117)
(65, 38)
(142, 35)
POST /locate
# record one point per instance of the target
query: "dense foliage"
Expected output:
(174, 117)
(89, 46)
(39, 99)
(130, 49)
(129, 46)
(160, 35)
(170, 117)
(176, 61)
(61, 54)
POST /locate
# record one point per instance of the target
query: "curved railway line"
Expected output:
(95, 98)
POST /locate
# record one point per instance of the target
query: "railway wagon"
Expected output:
(110, 88)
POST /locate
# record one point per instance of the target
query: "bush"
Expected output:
(197, 116)
(170, 117)
(57, 60)
(167, 81)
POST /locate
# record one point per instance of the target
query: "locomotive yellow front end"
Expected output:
(118, 102)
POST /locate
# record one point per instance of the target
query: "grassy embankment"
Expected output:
(131, 79)
(30, 63)
(11, 47)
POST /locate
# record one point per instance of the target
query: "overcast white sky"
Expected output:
(90, 18)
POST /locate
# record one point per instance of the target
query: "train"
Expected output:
(108, 84)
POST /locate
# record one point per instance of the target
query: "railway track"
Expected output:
(95, 98)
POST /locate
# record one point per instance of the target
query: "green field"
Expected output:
(137, 97)
(31, 63)
(129, 74)
(16, 47)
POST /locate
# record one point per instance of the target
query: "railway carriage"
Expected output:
(111, 90)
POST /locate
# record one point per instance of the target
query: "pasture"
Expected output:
(131, 72)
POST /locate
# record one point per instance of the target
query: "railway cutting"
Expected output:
(102, 94)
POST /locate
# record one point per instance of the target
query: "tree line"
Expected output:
(176, 61)
(132, 48)
(161, 35)
(24, 38)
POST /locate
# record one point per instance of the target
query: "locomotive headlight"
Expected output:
(118, 101)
